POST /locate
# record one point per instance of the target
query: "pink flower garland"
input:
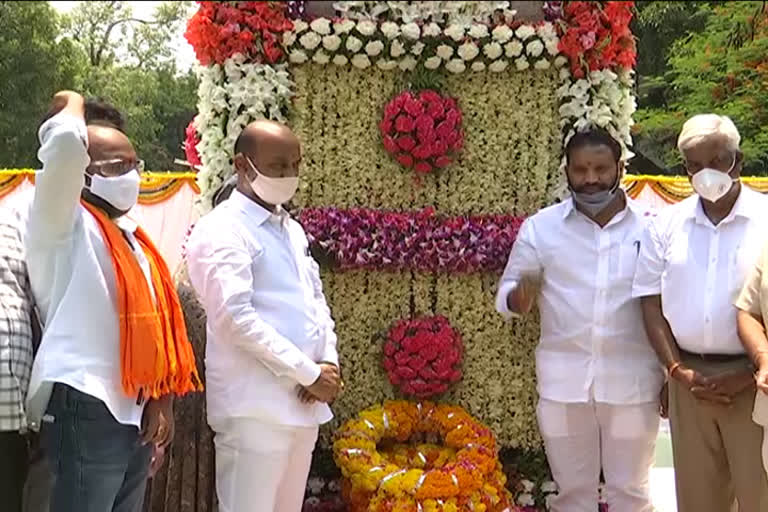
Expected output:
(422, 130)
(422, 241)
(190, 145)
(423, 356)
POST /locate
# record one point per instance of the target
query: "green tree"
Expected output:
(131, 64)
(35, 63)
(721, 69)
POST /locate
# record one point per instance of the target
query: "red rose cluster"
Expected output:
(422, 130)
(598, 36)
(423, 356)
(218, 30)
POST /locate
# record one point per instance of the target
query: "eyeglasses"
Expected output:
(117, 166)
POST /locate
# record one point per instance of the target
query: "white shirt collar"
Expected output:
(744, 207)
(258, 212)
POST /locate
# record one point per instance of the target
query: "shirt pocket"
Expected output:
(628, 254)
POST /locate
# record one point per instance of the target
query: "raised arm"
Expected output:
(64, 155)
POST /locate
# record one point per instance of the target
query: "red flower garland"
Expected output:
(190, 145)
(422, 130)
(218, 30)
(423, 356)
(598, 36)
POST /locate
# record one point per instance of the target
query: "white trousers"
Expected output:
(261, 467)
(582, 438)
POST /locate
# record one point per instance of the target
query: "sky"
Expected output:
(185, 55)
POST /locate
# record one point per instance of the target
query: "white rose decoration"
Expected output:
(433, 62)
(521, 64)
(289, 38)
(321, 57)
(541, 64)
(513, 49)
(525, 31)
(366, 27)
(455, 66)
(321, 26)
(340, 60)
(498, 66)
(546, 31)
(344, 26)
(411, 31)
(310, 40)
(361, 61)
(444, 51)
(553, 46)
(390, 29)
(502, 33)
(549, 486)
(298, 57)
(478, 31)
(354, 44)
(468, 51)
(525, 500)
(432, 30)
(417, 48)
(396, 49)
(493, 50)
(478, 66)
(300, 26)
(386, 65)
(331, 43)
(408, 63)
(455, 32)
(374, 48)
(534, 48)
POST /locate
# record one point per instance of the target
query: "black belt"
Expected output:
(714, 358)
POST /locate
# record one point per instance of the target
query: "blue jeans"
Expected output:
(98, 464)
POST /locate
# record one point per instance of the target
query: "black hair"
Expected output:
(593, 137)
(99, 112)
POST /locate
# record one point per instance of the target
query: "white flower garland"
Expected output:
(452, 11)
(602, 99)
(404, 46)
(230, 97)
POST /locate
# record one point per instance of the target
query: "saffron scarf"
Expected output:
(156, 357)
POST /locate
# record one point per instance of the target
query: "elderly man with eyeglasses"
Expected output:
(114, 349)
(694, 259)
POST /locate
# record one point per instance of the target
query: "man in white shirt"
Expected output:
(271, 361)
(694, 258)
(97, 436)
(598, 380)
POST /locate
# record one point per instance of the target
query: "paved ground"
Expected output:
(663, 475)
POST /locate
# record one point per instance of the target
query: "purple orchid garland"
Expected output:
(419, 241)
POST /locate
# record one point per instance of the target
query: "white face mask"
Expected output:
(274, 191)
(121, 192)
(712, 184)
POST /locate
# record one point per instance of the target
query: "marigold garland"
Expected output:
(462, 473)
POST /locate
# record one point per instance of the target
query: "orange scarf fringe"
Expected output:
(156, 357)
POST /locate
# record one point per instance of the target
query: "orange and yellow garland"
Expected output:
(383, 472)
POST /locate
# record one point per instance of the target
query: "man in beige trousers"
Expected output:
(694, 258)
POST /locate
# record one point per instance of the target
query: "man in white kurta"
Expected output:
(598, 379)
(271, 360)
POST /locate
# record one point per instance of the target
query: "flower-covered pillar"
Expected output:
(398, 239)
